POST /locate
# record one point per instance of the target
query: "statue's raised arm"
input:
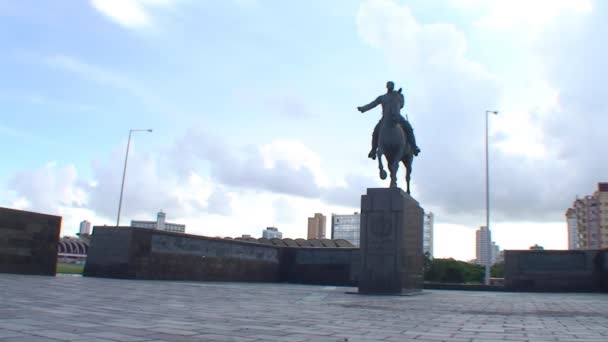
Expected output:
(370, 105)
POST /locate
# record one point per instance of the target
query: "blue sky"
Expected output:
(253, 106)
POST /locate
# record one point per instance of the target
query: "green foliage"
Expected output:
(498, 270)
(427, 262)
(453, 271)
(70, 268)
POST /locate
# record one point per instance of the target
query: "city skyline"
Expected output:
(253, 111)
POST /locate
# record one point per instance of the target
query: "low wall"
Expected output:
(321, 266)
(556, 270)
(28, 242)
(138, 253)
(603, 266)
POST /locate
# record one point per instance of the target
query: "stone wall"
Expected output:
(603, 266)
(137, 253)
(28, 242)
(321, 266)
(556, 271)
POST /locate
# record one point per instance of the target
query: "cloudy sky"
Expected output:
(253, 106)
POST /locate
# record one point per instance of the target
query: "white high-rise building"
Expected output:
(494, 256)
(571, 220)
(160, 224)
(427, 233)
(346, 227)
(272, 233)
(85, 228)
(483, 250)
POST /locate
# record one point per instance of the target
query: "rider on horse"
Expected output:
(386, 101)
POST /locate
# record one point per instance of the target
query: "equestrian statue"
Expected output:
(393, 136)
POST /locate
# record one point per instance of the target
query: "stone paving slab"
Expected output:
(69, 308)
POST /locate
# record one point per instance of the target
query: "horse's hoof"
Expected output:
(382, 174)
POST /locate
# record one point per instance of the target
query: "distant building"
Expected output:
(483, 251)
(494, 256)
(272, 233)
(588, 217)
(316, 226)
(500, 257)
(85, 228)
(571, 220)
(427, 233)
(160, 224)
(72, 250)
(587, 222)
(536, 247)
(346, 227)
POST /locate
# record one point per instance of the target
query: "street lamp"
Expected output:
(488, 242)
(124, 172)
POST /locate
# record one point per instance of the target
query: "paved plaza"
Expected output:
(74, 308)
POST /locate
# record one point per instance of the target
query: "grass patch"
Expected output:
(70, 268)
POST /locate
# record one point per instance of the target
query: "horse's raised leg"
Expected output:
(407, 180)
(380, 166)
(407, 162)
(393, 168)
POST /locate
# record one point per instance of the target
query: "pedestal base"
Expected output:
(391, 242)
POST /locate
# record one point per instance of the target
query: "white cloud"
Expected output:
(527, 16)
(52, 189)
(49, 187)
(140, 14)
(296, 154)
(151, 186)
(132, 14)
(285, 167)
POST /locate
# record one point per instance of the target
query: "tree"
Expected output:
(498, 270)
(452, 271)
(428, 261)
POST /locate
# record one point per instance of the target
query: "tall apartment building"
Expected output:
(85, 228)
(571, 220)
(160, 224)
(602, 195)
(347, 227)
(316, 226)
(271, 233)
(427, 233)
(483, 249)
(591, 225)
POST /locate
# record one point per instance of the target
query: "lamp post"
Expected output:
(488, 239)
(124, 172)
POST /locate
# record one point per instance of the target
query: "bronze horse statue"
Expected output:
(393, 143)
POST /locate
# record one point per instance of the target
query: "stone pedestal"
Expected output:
(28, 242)
(391, 242)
